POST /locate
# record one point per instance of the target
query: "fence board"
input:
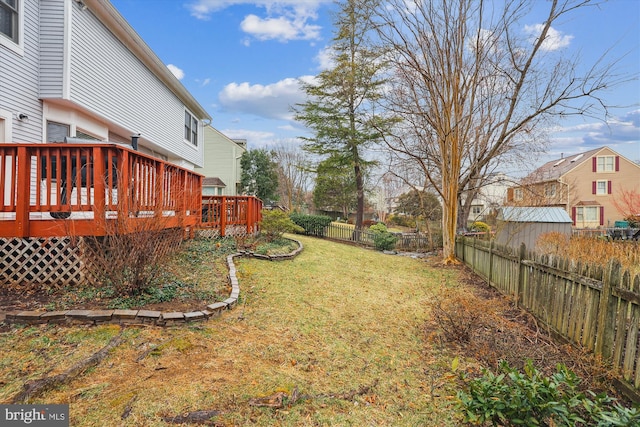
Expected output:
(598, 308)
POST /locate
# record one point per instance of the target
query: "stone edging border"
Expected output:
(146, 317)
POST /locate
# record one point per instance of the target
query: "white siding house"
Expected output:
(77, 68)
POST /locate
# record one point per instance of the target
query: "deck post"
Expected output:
(223, 216)
(99, 187)
(22, 197)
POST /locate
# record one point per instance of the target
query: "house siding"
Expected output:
(19, 80)
(222, 159)
(129, 94)
(582, 181)
(51, 48)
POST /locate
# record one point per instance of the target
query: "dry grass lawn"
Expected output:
(334, 337)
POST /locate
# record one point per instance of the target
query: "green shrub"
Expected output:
(313, 225)
(479, 226)
(275, 223)
(382, 239)
(513, 398)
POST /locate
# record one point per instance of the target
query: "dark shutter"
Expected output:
(601, 215)
(594, 187)
(608, 187)
(617, 163)
(594, 162)
(573, 215)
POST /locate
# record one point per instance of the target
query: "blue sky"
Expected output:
(242, 61)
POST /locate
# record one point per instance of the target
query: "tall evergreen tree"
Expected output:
(334, 189)
(340, 105)
(259, 175)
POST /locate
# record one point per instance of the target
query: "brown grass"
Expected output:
(591, 250)
(339, 327)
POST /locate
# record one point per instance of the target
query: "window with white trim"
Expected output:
(9, 20)
(606, 163)
(56, 132)
(587, 214)
(601, 187)
(190, 128)
(476, 210)
(550, 190)
(5, 126)
(12, 25)
(518, 194)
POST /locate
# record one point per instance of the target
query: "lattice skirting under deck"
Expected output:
(51, 261)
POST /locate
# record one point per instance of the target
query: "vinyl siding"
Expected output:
(51, 48)
(108, 80)
(581, 181)
(221, 159)
(19, 80)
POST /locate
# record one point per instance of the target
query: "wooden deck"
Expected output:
(57, 190)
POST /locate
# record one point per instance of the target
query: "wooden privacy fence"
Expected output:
(595, 307)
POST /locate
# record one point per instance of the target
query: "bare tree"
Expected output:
(472, 90)
(294, 174)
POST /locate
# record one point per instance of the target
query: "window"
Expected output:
(56, 132)
(9, 19)
(586, 214)
(5, 126)
(476, 210)
(601, 187)
(550, 190)
(190, 128)
(85, 135)
(517, 194)
(606, 163)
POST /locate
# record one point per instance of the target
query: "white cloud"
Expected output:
(618, 133)
(325, 58)
(281, 28)
(176, 71)
(555, 39)
(273, 101)
(284, 19)
(255, 139)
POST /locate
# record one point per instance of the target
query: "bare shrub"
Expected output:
(591, 250)
(459, 316)
(138, 236)
(128, 262)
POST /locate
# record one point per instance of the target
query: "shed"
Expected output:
(517, 225)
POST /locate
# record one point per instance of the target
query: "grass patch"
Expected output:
(339, 326)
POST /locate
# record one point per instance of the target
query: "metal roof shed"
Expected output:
(517, 225)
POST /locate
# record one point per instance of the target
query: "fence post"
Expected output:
(520, 276)
(607, 310)
(490, 275)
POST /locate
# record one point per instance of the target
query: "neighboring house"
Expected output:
(76, 68)
(517, 225)
(213, 187)
(221, 163)
(585, 185)
(490, 197)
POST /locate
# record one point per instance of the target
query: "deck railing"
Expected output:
(236, 214)
(53, 190)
